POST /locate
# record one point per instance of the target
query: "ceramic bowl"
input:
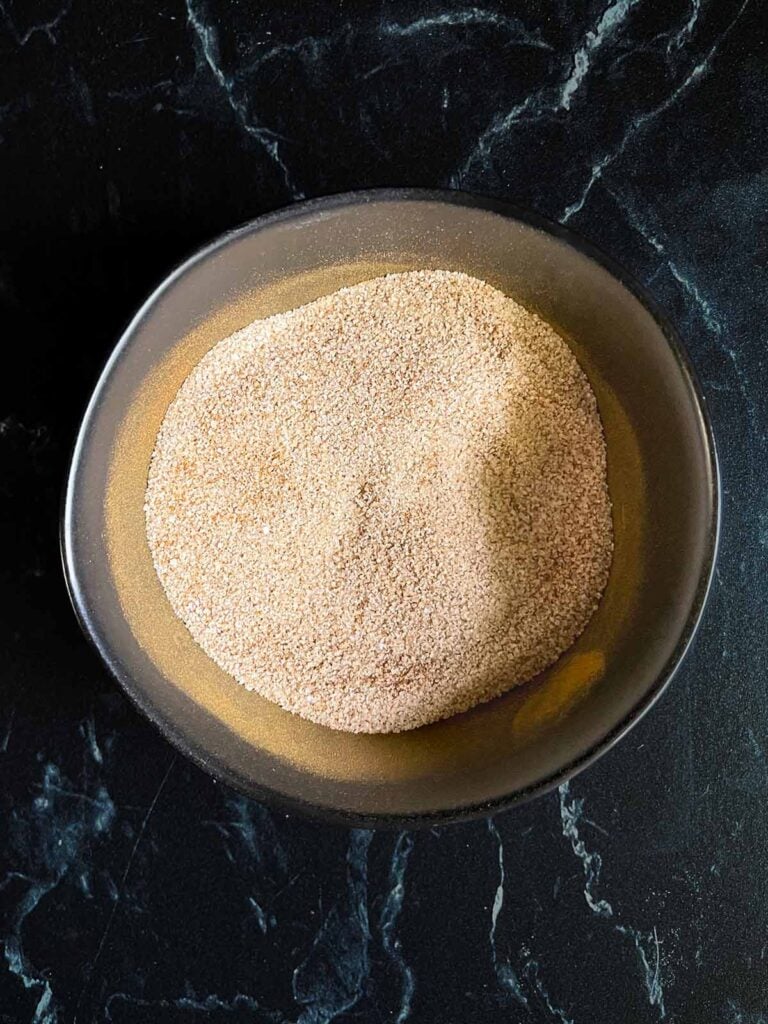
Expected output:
(663, 482)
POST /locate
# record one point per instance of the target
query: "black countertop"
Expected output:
(133, 887)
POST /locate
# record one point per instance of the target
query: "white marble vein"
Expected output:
(650, 964)
(12, 427)
(93, 744)
(605, 160)
(141, 92)
(736, 1014)
(505, 974)
(121, 888)
(683, 36)
(209, 1004)
(255, 827)
(557, 1014)
(480, 152)
(608, 24)
(551, 100)
(571, 814)
(62, 821)
(47, 28)
(389, 915)
(467, 17)
(705, 306)
(18, 964)
(261, 917)
(8, 731)
(207, 37)
(331, 977)
(595, 175)
(311, 49)
(308, 49)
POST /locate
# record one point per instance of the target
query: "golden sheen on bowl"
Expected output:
(662, 477)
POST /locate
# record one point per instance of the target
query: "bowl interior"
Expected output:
(661, 479)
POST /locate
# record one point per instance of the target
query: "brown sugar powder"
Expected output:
(386, 506)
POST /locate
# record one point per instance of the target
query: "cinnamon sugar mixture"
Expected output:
(386, 506)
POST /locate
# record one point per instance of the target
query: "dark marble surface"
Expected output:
(132, 887)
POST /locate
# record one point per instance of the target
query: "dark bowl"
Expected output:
(663, 481)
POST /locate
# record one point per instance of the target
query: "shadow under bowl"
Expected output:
(662, 475)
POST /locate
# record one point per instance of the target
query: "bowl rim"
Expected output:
(339, 816)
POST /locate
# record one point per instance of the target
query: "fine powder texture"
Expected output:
(386, 506)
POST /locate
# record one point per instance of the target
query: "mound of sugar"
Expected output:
(386, 506)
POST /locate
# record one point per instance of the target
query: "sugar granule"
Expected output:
(386, 506)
